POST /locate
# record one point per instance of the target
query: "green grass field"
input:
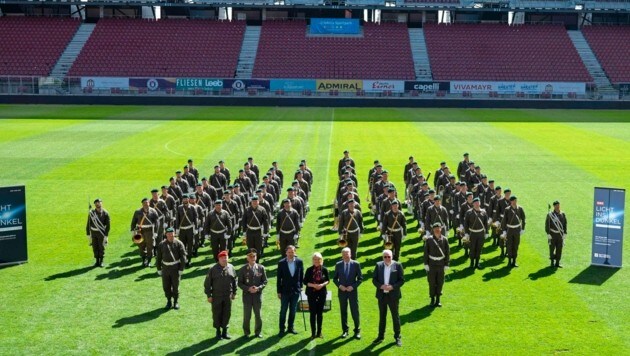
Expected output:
(58, 304)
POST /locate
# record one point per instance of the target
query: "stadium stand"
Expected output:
(178, 48)
(496, 52)
(32, 45)
(611, 45)
(285, 51)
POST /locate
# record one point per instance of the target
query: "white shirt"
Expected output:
(386, 273)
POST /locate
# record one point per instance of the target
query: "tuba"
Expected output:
(343, 242)
(137, 236)
(388, 244)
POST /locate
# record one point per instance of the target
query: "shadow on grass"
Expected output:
(203, 347)
(256, 347)
(373, 349)
(331, 345)
(325, 207)
(118, 273)
(416, 315)
(68, 274)
(140, 318)
(542, 273)
(459, 274)
(594, 275)
(293, 348)
(497, 273)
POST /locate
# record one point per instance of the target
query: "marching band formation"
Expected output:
(218, 210)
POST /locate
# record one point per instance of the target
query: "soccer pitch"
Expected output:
(58, 304)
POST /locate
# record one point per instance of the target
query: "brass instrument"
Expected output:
(137, 237)
(343, 241)
(388, 244)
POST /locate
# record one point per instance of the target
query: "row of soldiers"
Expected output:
(473, 207)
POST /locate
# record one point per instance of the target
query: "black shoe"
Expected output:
(218, 336)
(437, 303)
(552, 264)
(357, 336)
(378, 340)
(245, 334)
(176, 306)
(292, 331)
(168, 305)
(514, 263)
(344, 335)
(95, 263)
(398, 342)
(558, 265)
(320, 336)
(144, 262)
(432, 301)
(266, 244)
(258, 336)
(281, 333)
(472, 265)
(225, 335)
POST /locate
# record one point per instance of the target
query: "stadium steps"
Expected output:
(420, 56)
(70, 54)
(592, 64)
(247, 56)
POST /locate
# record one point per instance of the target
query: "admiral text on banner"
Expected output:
(13, 225)
(341, 85)
(608, 211)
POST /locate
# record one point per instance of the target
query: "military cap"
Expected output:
(226, 192)
(230, 186)
(471, 163)
(379, 166)
(298, 172)
(450, 176)
(170, 229)
(425, 183)
(442, 163)
(186, 167)
(98, 200)
(391, 190)
(446, 167)
(274, 162)
(245, 164)
(469, 194)
(491, 181)
(295, 182)
(172, 178)
(266, 176)
(258, 191)
(262, 186)
(250, 158)
(190, 160)
(556, 203)
(285, 200)
(410, 157)
(437, 197)
(498, 187)
(477, 167)
(301, 164)
(414, 163)
(513, 197)
(349, 183)
(144, 200)
(351, 201)
(178, 172)
(346, 172)
(164, 187)
(290, 189)
(223, 254)
(216, 166)
(204, 179)
(192, 196)
(385, 171)
(218, 202)
(466, 154)
(484, 176)
(507, 190)
(241, 170)
(347, 160)
(462, 184)
(252, 252)
(154, 190)
(431, 191)
(255, 197)
(199, 184)
(477, 200)
(346, 151)
(303, 160)
(436, 225)
(376, 161)
(221, 161)
(395, 202)
(236, 185)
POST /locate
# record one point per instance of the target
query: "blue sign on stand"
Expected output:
(608, 211)
(13, 225)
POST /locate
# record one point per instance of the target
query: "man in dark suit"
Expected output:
(290, 275)
(347, 278)
(388, 278)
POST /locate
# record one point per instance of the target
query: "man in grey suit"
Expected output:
(347, 278)
(388, 278)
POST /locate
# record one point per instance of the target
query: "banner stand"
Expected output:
(608, 220)
(13, 248)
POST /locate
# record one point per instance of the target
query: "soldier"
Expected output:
(556, 228)
(218, 179)
(492, 211)
(186, 225)
(463, 209)
(144, 222)
(160, 206)
(277, 172)
(254, 168)
(97, 230)
(371, 175)
(190, 178)
(299, 177)
(346, 160)
(270, 189)
(287, 226)
(170, 261)
(198, 236)
(220, 288)
(307, 175)
(297, 204)
(231, 207)
(351, 225)
(395, 228)
(462, 167)
(203, 198)
(214, 193)
(449, 200)
(250, 174)
(252, 279)
(385, 205)
(255, 224)
(502, 204)
(224, 170)
(408, 172)
(438, 174)
(424, 207)
(182, 183)
(169, 200)
(244, 182)
(193, 170)
(437, 214)
(476, 229)
(436, 262)
(444, 179)
(218, 228)
(174, 190)
(268, 209)
(513, 225)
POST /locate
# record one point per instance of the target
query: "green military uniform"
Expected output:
(186, 225)
(252, 276)
(170, 262)
(556, 228)
(97, 230)
(351, 225)
(255, 225)
(287, 227)
(145, 221)
(218, 228)
(220, 285)
(436, 261)
(476, 227)
(513, 225)
(395, 226)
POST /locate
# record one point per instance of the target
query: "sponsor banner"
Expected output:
(383, 85)
(608, 214)
(427, 87)
(624, 87)
(104, 82)
(341, 85)
(198, 83)
(335, 26)
(292, 85)
(458, 87)
(152, 84)
(238, 84)
(13, 225)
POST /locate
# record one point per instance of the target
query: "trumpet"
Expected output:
(342, 242)
(387, 243)
(137, 237)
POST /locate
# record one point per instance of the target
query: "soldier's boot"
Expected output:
(432, 301)
(144, 261)
(509, 262)
(100, 262)
(552, 261)
(514, 262)
(459, 242)
(218, 334)
(175, 304)
(494, 241)
(437, 302)
(466, 252)
(335, 224)
(502, 252)
(225, 334)
(477, 264)
(472, 263)
(95, 262)
(168, 304)
(149, 262)
(558, 265)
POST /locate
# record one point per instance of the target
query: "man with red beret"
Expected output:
(220, 287)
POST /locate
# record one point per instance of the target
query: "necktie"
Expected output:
(347, 270)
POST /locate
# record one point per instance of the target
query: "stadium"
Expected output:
(103, 102)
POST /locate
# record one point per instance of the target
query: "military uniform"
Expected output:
(219, 181)
(255, 224)
(171, 205)
(252, 276)
(287, 228)
(513, 225)
(235, 214)
(146, 223)
(162, 209)
(501, 205)
(476, 227)
(186, 226)
(395, 225)
(556, 228)
(436, 260)
(439, 215)
(170, 262)
(218, 228)
(351, 225)
(220, 285)
(97, 230)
